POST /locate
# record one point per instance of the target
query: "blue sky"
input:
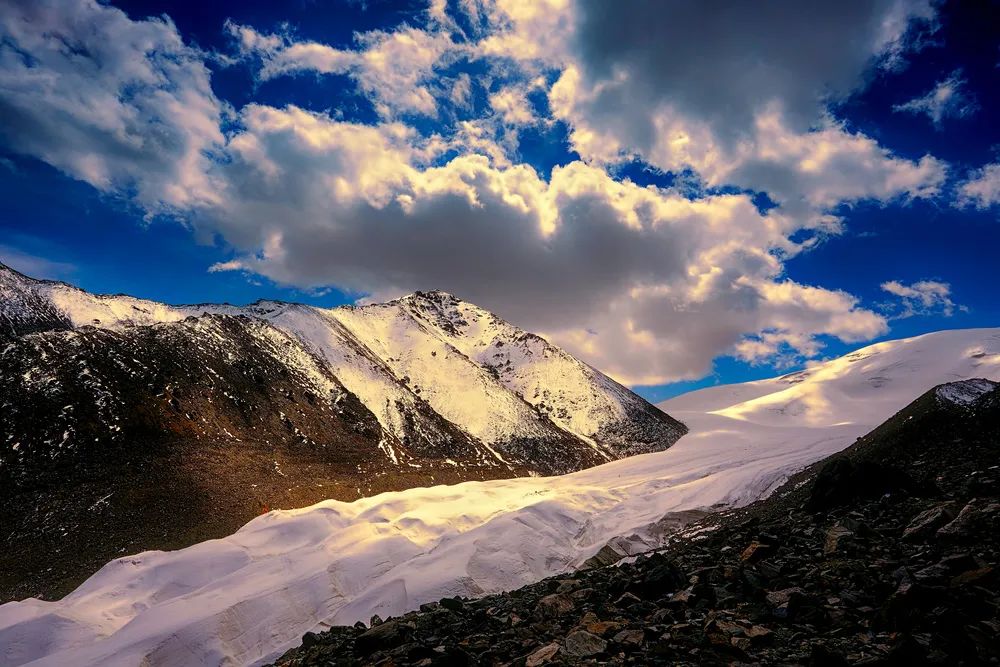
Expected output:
(680, 195)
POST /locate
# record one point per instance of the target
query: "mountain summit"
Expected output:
(132, 424)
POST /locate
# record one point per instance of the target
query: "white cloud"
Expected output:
(751, 111)
(645, 283)
(123, 105)
(394, 69)
(982, 189)
(626, 276)
(923, 297)
(948, 99)
(511, 103)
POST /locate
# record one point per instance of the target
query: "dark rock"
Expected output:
(927, 522)
(835, 538)
(542, 655)
(389, 634)
(843, 481)
(978, 515)
(823, 656)
(581, 644)
(662, 577)
(452, 604)
(554, 606)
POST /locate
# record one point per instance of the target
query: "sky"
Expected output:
(681, 194)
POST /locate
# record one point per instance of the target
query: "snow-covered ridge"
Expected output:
(249, 596)
(965, 392)
(522, 399)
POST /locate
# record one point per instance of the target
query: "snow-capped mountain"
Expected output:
(130, 424)
(250, 596)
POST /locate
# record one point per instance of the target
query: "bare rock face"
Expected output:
(133, 425)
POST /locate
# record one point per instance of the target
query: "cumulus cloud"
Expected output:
(923, 297)
(641, 281)
(123, 105)
(982, 189)
(948, 99)
(750, 111)
(644, 282)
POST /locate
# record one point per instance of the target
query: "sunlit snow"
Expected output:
(249, 596)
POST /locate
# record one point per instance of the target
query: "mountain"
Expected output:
(131, 424)
(883, 554)
(250, 596)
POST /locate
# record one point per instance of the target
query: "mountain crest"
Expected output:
(220, 412)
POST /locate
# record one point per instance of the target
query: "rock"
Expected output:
(979, 514)
(602, 628)
(581, 644)
(758, 634)
(976, 576)
(682, 597)
(843, 481)
(757, 551)
(662, 577)
(375, 620)
(823, 656)
(784, 596)
(785, 603)
(742, 643)
(542, 655)
(567, 586)
(390, 634)
(631, 637)
(452, 604)
(627, 600)
(607, 555)
(835, 538)
(554, 606)
(309, 639)
(924, 524)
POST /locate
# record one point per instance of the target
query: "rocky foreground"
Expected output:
(885, 554)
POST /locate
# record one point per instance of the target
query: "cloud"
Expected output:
(751, 111)
(948, 99)
(643, 282)
(649, 284)
(393, 68)
(982, 189)
(511, 103)
(924, 297)
(124, 105)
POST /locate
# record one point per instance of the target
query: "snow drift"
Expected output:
(245, 598)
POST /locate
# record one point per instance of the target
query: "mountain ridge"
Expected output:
(273, 404)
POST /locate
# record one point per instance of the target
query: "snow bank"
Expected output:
(248, 597)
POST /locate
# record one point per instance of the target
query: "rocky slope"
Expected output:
(129, 424)
(884, 554)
